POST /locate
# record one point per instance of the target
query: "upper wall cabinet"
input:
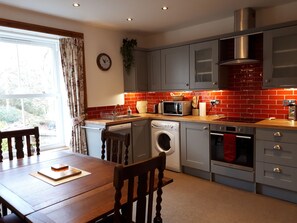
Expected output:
(175, 68)
(154, 70)
(204, 65)
(280, 58)
(136, 78)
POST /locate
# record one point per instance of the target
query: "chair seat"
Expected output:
(11, 218)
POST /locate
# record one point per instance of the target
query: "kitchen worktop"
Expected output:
(211, 119)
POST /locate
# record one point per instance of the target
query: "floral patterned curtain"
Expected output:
(72, 58)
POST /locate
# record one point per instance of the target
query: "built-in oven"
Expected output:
(232, 151)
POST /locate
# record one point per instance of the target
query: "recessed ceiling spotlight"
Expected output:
(129, 19)
(164, 8)
(75, 4)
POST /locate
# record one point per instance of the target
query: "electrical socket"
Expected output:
(289, 102)
(214, 102)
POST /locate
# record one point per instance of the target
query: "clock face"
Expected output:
(103, 61)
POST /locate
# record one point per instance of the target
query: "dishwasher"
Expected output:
(93, 134)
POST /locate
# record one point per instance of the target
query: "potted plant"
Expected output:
(127, 52)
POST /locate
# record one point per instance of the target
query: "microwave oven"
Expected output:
(179, 108)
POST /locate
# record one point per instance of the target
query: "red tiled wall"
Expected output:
(245, 97)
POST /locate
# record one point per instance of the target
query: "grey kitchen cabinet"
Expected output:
(276, 158)
(204, 65)
(280, 58)
(195, 145)
(141, 140)
(175, 68)
(154, 70)
(137, 78)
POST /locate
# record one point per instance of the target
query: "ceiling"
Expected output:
(147, 14)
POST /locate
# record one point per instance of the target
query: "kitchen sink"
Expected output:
(111, 116)
(126, 116)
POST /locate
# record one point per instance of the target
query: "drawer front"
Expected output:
(276, 152)
(276, 175)
(277, 135)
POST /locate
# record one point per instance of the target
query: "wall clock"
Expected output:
(103, 61)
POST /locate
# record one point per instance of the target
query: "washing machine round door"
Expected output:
(165, 142)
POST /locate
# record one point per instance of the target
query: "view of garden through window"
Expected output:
(30, 89)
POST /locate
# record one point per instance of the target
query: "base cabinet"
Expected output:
(276, 158)
(195, 145)
(141, 140)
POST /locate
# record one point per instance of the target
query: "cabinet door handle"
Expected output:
(277, 147)
(205, 128)
(277, 134)
(214, 83)
(187, 84)
(276, 170)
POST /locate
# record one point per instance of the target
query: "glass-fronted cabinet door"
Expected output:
(280, 58)
(204, 65)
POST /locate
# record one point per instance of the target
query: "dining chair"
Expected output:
(11, 218)
(141, 182)
(18, 136)
(17, 143)
(116, 146)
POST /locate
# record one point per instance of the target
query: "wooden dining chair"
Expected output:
(142, 182)
(116, 146)
(11, 218)
(18, 136)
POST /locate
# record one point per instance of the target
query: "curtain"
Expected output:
(72, 59)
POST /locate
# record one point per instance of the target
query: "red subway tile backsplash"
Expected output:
(245, 97)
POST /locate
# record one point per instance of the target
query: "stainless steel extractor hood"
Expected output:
(243, 19)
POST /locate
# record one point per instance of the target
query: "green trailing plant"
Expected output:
(127, 52)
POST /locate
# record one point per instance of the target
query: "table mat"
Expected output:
(58, 182)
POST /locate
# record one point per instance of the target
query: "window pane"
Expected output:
(31, 112)
(27, 69)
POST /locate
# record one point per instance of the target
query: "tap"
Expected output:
(115, 111)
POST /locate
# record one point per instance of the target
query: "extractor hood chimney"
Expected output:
(243, 19)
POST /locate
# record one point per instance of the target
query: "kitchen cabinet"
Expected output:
(204, 65)
(154, 70)
(175, 68)
(276, 158)
(280, 58)
(137, 78)
(141, 140)
(195, 145)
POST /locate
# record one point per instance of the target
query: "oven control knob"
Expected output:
(222, 128)
(239, 129)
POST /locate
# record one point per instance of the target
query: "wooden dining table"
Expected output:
(80, 200)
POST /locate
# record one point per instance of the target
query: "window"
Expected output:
(32, 92)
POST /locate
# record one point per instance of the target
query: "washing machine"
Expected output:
(165, 138)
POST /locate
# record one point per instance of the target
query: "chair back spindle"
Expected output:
(144, 173)
(116, 146)
(17, 136)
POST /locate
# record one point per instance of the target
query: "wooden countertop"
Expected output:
(210, 119)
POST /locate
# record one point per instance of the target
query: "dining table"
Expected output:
(83, 199)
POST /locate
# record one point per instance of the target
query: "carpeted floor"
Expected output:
(193, 200)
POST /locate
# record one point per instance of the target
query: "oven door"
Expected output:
(242, 151)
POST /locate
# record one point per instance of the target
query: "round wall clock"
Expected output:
(103, 61)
